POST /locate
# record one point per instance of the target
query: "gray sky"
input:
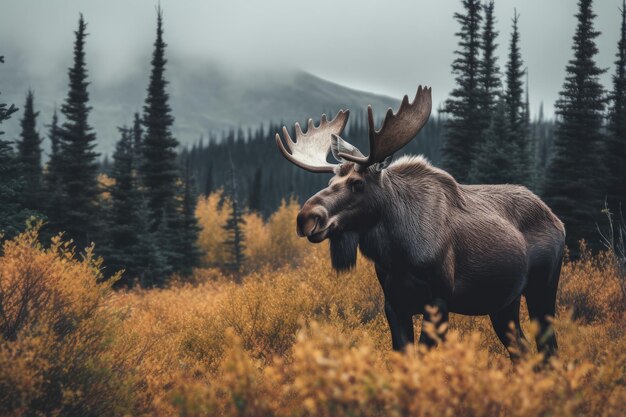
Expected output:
(385, 47)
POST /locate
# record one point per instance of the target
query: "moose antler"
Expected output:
(310, 149)
(397, 129)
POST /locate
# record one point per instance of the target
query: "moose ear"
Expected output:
(385, 163)
(338, 145)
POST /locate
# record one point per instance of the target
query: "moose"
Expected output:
(466, 249)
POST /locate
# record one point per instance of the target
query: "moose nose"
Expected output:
(310, 220)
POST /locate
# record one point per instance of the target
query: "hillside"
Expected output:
(208, 98)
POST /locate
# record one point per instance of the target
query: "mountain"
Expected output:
(206, 99)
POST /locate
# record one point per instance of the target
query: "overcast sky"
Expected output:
(380, 46)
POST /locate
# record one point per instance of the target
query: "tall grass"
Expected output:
(292, 340)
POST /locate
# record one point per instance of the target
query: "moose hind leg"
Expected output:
(511, 337)
(541, 301)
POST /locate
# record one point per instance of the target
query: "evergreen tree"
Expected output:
(159, 166)
(616, 140)
(208, 184)
(52, 185)
(489, 71)
(466, 119)
(129, 245)
(573, 187)
(187, 247)
(137, 141)
(515, 109)
(234, 231)
(29, 157)
(254, 198)
(493, 157)
(79, 168)
(11, 217)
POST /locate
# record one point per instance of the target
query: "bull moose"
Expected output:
(467, 249)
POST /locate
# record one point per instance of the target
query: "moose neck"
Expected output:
(417, 203)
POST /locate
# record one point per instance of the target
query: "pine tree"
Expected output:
(493, 157)
(29, 157)
(11, 217)
(159, 165)
(489, 71)
(79, 169)
(128, 242)
(208, 184)
(187, 247)
(573, 186)
(466, 119)
(515, 109)
(53, 189)
(234, 231)
(254, 198)
(137, 141)
(616, 140)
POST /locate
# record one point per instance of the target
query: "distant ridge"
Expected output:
(207, 98)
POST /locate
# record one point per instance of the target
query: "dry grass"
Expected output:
(298, 340)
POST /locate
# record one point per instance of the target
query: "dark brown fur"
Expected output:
(469, 249)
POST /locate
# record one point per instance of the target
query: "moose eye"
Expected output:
(357, 186)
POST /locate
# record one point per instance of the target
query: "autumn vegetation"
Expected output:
(294, 339)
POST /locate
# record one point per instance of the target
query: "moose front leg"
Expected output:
(400, 323)
(401, 326)
(435, 314)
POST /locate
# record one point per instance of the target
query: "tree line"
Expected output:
(489, 138)
(142, 217)
(139, 207)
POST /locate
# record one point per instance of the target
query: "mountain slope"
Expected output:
(204, 99)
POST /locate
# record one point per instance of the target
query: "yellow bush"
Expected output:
(285, 247)
(55, 334)
(590, 287)
(289, 341)
(211, 218)
(257, 241)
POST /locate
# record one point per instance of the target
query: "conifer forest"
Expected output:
(163, 275)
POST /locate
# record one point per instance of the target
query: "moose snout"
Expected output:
(311, 220)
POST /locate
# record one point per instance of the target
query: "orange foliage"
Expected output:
(290, 341)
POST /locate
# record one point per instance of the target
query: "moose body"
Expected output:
(468, 249)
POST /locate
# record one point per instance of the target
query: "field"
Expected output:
(294, 339)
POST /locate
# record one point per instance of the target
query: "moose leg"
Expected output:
(541, 307)
(401, 326)
(435, 314)
(400, 323)
(513, 339)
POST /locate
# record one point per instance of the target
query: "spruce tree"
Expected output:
(254, 198)
(616, 140)
(208, 184)
(234, 227)
(188, 229)
(489, 71)
(137, 141)
(466, 119)
(159, 166)
(128, 242)
(79, 168)
(573, 188)
(29, 157)
(52, 185)
(493, 157)
(515, 109)
(12, 218)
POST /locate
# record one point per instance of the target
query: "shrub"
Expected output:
(55, 334)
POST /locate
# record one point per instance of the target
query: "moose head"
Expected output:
(353, 200)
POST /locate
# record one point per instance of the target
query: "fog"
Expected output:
(386, 47)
